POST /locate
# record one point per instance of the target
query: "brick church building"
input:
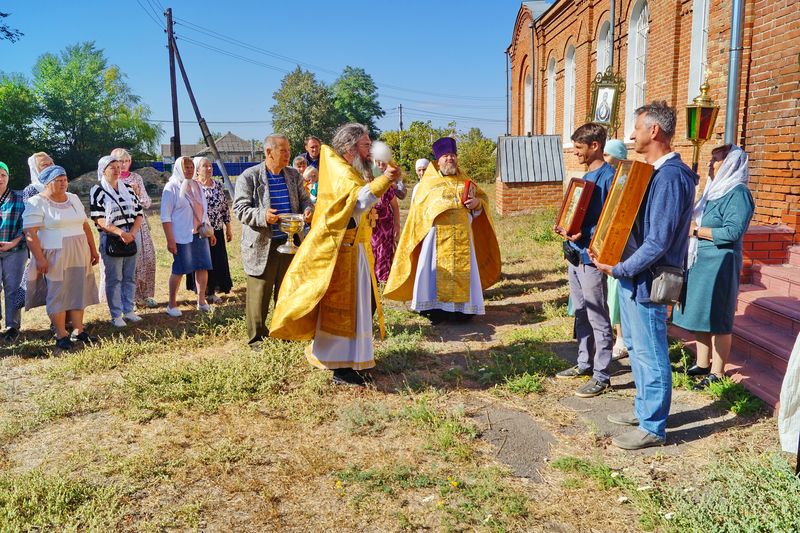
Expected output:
(664, 50)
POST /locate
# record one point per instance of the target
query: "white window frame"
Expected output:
(698, 62)
(569, 95)
(550, 117)
(603, 58)
(636, 83)
(528, 103)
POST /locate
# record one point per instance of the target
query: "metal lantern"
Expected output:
(701, 115)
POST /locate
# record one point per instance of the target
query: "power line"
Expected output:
(232, 54)
(215, 121)
(150, 15)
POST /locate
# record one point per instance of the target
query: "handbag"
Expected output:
(115, 247)
(572, 255)
(667, 285)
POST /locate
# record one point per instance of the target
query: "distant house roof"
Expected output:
(186, 149)
(228, 143)
(531, 159)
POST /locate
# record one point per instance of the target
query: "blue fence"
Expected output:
(233, 169)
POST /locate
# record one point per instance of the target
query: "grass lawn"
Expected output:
(175, 424)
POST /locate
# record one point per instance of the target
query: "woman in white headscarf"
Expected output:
(36, 163)
(117, 213)
(721, 218)
(184, 216)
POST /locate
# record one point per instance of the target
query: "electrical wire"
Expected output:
(147, 12)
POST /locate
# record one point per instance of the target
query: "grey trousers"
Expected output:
(587, 288)
(261, 290)
(12, 266)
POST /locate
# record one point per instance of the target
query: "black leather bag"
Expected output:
(572, 255)
(116, 248)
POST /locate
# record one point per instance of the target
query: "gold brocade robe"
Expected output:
(321, 280)
(438, 202)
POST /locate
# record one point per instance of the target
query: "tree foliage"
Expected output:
(303, 106)
(355, 97)
(18, 110)
(7, 33)
(476, 153)
(86, 109)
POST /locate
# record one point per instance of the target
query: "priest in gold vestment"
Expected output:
(329, 291)
(448, 252)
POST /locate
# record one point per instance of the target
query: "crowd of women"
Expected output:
(49, 225)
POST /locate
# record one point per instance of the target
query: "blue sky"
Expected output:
(443, 60)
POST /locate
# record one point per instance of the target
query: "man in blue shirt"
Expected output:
(660, 237)
(587, 284)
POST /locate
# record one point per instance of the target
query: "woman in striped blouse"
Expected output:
(117, 213)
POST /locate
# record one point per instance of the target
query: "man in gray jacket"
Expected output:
(263, 193)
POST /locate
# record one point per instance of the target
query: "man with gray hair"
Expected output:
(329, 292)
(263, 193)
(660, 237)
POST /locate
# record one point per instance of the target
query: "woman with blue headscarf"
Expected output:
(63, 249)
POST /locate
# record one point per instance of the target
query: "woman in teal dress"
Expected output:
(721, 217)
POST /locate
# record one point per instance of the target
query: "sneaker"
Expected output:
(204, 308)
(11, 335)
(706, 382)
(574, 372)
(622, 419)
(636, 440)
(620, 351)
(64, 343)
(150, 303)
(213, 299)
(132, 317)
(173, 311)
(83, 337)
(592, 388)
(119, 322)
(347, 376)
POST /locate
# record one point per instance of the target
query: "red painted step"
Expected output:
(783, 279)
(769, 307)
(768, 345)
(762, 381)
(794, 255)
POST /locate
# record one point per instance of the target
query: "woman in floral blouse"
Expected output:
(146, 258)
(219, 215)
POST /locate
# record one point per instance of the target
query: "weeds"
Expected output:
(602, 474)
(734, 397)
(361, 418)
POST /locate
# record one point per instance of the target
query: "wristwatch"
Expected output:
(694, 231)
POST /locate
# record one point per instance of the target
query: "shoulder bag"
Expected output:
(115, 247)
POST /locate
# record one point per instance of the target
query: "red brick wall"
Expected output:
(769, 114)
(766, 245)
(519, 198)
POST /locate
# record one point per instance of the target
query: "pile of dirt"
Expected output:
(153, 181)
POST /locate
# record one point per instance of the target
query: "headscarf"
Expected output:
(732, 172)
(35, 174)
(616, 149)
(421, 163)
(191, 189)
(5, 167)
(49, 174)
(122, 195)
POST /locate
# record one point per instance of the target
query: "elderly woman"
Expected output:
(301, 164)
(146, 257)
(184, 218)
(386, 229)
(117, 213)
(219, 216)
(36, 163)
(311, 178)
(62, 245)
(721, 217)
(13, 252)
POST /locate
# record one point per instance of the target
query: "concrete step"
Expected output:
(769, 307)
(794, 255)
(760, 380)
(782, 279)
(768, 345)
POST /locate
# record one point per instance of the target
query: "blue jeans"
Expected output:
(12, 265)
(646, 323)
(120, 280)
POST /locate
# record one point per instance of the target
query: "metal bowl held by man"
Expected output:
(290, 223)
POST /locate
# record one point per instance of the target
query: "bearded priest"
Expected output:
(448, 252)
(329, 291)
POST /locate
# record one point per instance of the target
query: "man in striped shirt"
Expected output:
(263, 193)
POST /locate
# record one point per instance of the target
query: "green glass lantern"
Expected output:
(701, 115)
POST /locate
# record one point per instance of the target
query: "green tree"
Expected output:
(86, 109)
(18, 111)
(303, 106)
(415, 142)
(7, 32)
(355, 97)
(477, 156)
(215, 134)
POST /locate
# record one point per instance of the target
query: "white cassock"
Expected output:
(334, 351)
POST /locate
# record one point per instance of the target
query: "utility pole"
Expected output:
(175, 141)
(401, 117)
